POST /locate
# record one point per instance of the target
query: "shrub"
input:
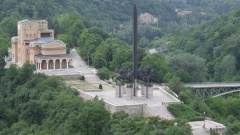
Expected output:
(100, 86)
(103, 73)
(82, 78)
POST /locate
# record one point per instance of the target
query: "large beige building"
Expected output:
(35, 44)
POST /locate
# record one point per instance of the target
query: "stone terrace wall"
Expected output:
(129, 109)
(85, 96)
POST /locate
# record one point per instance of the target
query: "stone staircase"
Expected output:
(197, 128)
(199, 131)
(91, 78)
(160, 111)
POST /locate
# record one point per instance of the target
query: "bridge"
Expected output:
(214, 89)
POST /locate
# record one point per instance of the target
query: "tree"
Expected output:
(225, 70)
(103, 73)
(119, 59)
(4, 44)
(157, 64)
(189, 66)
(2, 64)
(175, 84)
(67, 40)
(143, 42)
(25, 73)
(8, 26)
(105, 51)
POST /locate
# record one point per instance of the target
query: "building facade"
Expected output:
(35, 44)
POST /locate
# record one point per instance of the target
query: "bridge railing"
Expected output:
(202, 83)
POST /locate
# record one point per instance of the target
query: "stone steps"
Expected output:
(199, 131)
(160, 111)
(91, 79)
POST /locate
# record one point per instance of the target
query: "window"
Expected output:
(34, 35)
(26, 35)
(30, 35)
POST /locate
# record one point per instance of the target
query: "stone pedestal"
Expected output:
(119, 91)
(148, 91)
(129, 93)
(136, 91)
(142, 89)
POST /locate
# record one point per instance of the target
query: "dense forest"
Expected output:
(36, 104)
(197, 47)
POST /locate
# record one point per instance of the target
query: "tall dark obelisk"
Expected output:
(135, 58)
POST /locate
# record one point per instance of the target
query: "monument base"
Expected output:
(119, 91)
(148, 91)
(129, 93)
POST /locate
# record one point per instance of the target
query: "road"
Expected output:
(80, 67)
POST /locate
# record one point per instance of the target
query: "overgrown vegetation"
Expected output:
(183, 111)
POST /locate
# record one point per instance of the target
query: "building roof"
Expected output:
(26, 20)
(54, 56)
(23, 21)
(43, 40)
(14, 37)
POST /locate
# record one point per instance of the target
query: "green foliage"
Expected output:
(175, 84)
(158, 64)
(45, 105)
(138, 125)
(100, 87)
(103, 73)
(67, 40)
(190, 68)
(184, 112)
(216, 41)
(82, 78)
(8, 26)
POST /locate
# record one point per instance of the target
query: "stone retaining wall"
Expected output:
(85, 96)
(129, 109)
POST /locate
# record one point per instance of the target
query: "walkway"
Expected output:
(81, 68)
(199, 129)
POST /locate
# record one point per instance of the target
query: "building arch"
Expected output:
(57, 64)
(50, 64)
(44, 64)
(64, 64)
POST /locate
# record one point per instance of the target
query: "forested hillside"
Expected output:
(197, 47)
(216, 41)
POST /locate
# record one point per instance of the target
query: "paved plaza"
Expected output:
(138, 105)
(159, 97)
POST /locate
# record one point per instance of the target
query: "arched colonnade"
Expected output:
(52, 64)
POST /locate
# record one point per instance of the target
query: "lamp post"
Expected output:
(88, 58)
(204, 119)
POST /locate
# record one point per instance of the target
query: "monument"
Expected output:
(130, 77)
(135, 59)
